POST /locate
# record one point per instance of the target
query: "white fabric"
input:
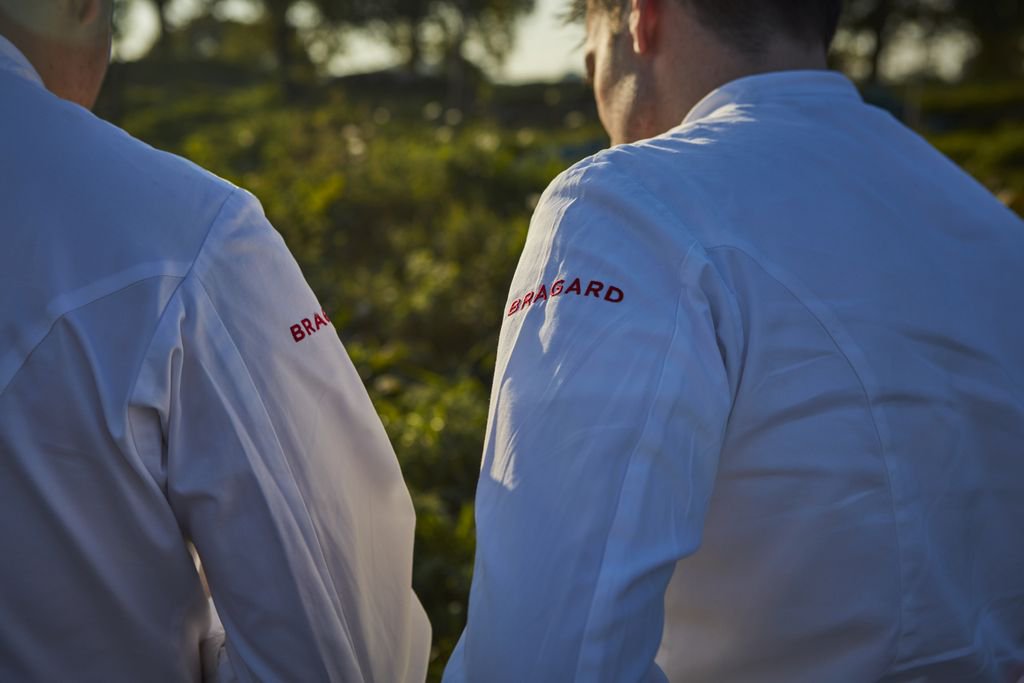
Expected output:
(152, 392)
(788, 446)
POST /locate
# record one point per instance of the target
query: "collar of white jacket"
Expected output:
(772, 87)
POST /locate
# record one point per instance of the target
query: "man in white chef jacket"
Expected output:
(758, 412)
(167, 377)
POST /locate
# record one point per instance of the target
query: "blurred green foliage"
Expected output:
(994, 29)
(981, 128)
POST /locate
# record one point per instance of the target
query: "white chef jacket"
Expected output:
(167, 375)
(758, 412)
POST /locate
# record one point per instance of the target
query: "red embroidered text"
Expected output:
(564, 287)
(307, 327)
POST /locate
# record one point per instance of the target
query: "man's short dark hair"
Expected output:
(747, 24)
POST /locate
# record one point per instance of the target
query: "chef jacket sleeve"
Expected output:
(610, 403)
(252, 418)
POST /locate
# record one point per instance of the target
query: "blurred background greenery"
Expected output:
(405, 192)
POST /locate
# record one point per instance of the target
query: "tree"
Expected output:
(282, 35)
(877, 19)
(427, 32)
(400, 22)
(996, 26)
(161, 16)
(439, 30)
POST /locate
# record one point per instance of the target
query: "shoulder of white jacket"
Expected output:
(637, 191)
(116, 158)
(679, 151)
(626, 178)
(173, 172)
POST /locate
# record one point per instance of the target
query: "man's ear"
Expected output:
(644, 17)
(87, 12)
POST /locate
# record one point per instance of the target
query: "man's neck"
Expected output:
(683, 89)
(17, 61)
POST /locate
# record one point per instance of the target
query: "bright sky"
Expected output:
(546, 49)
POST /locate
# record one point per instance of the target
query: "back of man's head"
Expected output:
(747, 24)
(651, 61)
(67, 41)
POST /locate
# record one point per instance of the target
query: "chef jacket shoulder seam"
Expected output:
(266, 412)
(634, 450)
(691, 241)
(118, 290)
(900, 561)
(167, 307)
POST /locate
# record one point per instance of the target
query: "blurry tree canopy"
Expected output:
(998, 26)
(425, 32)
(437, 32)
(441, 28)
(995, 29)
(457, 37)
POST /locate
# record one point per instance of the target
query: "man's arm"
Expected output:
(279, 470)
(608, 412)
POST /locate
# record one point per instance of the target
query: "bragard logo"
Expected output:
(307, 327)
(594, 288)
